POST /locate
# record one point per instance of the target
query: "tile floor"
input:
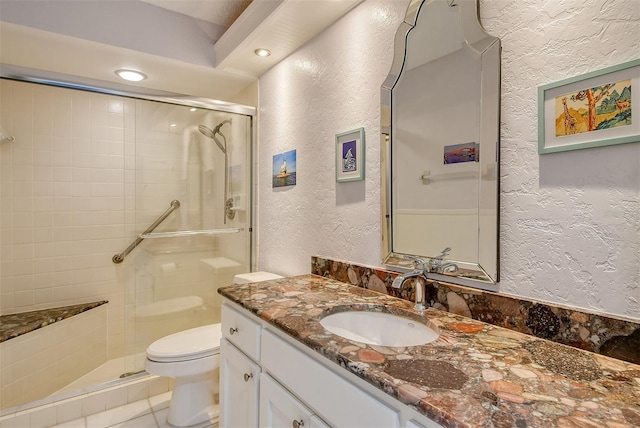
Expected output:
(148, 413)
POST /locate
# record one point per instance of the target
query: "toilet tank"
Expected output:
(245, 278)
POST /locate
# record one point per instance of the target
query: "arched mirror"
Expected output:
(440, 143)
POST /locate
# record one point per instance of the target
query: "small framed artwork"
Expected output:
(457, 153)
(592, 110)
(350, 155)
(284, 169)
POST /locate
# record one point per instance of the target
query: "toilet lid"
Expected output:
(186, 345)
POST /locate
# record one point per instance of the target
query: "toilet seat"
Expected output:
(187, 345)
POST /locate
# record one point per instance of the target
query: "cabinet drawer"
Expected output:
(332, 397)
(241, 331)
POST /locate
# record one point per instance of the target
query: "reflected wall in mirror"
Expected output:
(440, 142)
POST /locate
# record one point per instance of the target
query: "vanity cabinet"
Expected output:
(278, 408)
(239, 387)
(239, 370)
(268, 379)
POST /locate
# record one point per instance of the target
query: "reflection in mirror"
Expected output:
(440, 149)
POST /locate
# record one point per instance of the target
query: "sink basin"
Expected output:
(377, 328)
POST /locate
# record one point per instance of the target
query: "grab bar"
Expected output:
(118, 258)
(181, 233)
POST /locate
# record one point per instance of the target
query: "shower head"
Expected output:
(211, 133)
(206, 131)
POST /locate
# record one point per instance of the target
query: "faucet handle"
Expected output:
(444, 253)
(418, 263)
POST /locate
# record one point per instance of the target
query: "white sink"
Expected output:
(376, 328)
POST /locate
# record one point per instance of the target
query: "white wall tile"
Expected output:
(116, 397)
(23, 267)
(63, 158)
(94, 403)
(43, 417)
(44, 142)
(24, 173)
(24, 298)
(138, 391)
(68, 410)
(43, 173)
(42, 188)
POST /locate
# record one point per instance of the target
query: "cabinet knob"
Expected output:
(232, 330)
(297, 424)
(247, 376)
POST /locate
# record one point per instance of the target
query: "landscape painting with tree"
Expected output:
(592, 109)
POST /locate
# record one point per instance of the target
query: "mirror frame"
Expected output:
(472, 273)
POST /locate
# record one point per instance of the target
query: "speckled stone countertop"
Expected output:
(473, 375)
(14, 325)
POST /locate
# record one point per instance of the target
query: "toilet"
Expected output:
(191, 357)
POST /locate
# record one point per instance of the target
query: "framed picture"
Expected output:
(350, 155)
(457, 153)
(593, 110)
(284, 169)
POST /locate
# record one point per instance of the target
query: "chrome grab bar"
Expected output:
(181, 233)
(118, 258)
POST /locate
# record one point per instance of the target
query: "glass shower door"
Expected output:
(201, 158)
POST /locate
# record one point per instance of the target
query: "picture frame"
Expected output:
(591, 110)
(284, 169)
(350, 155)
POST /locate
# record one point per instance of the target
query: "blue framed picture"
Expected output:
(284, 169)
(350, 155)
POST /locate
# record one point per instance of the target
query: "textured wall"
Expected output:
(570, 227)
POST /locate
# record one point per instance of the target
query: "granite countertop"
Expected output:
(474, 375)
(14, 325)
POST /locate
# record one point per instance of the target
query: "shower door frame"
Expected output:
(174, 99)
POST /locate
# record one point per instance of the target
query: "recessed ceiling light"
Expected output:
(262, 52)
(193, 109)
(131, 75)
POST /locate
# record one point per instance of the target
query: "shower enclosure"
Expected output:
(145, 204)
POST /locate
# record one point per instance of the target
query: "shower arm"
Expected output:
(118, 258)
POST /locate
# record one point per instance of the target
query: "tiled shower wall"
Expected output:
(67, 199)
(86, 173)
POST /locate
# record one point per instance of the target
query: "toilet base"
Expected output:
(192, 400)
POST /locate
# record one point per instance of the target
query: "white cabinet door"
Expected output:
(330, 395)
(239, 387)
(316, 422)
(428, 424)
(280, 409)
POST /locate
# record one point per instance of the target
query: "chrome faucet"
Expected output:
(420, 273)
(435, 263)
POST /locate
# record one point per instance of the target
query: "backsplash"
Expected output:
(599, 333)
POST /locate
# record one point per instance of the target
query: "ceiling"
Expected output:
(219, 12)
(201, 48)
